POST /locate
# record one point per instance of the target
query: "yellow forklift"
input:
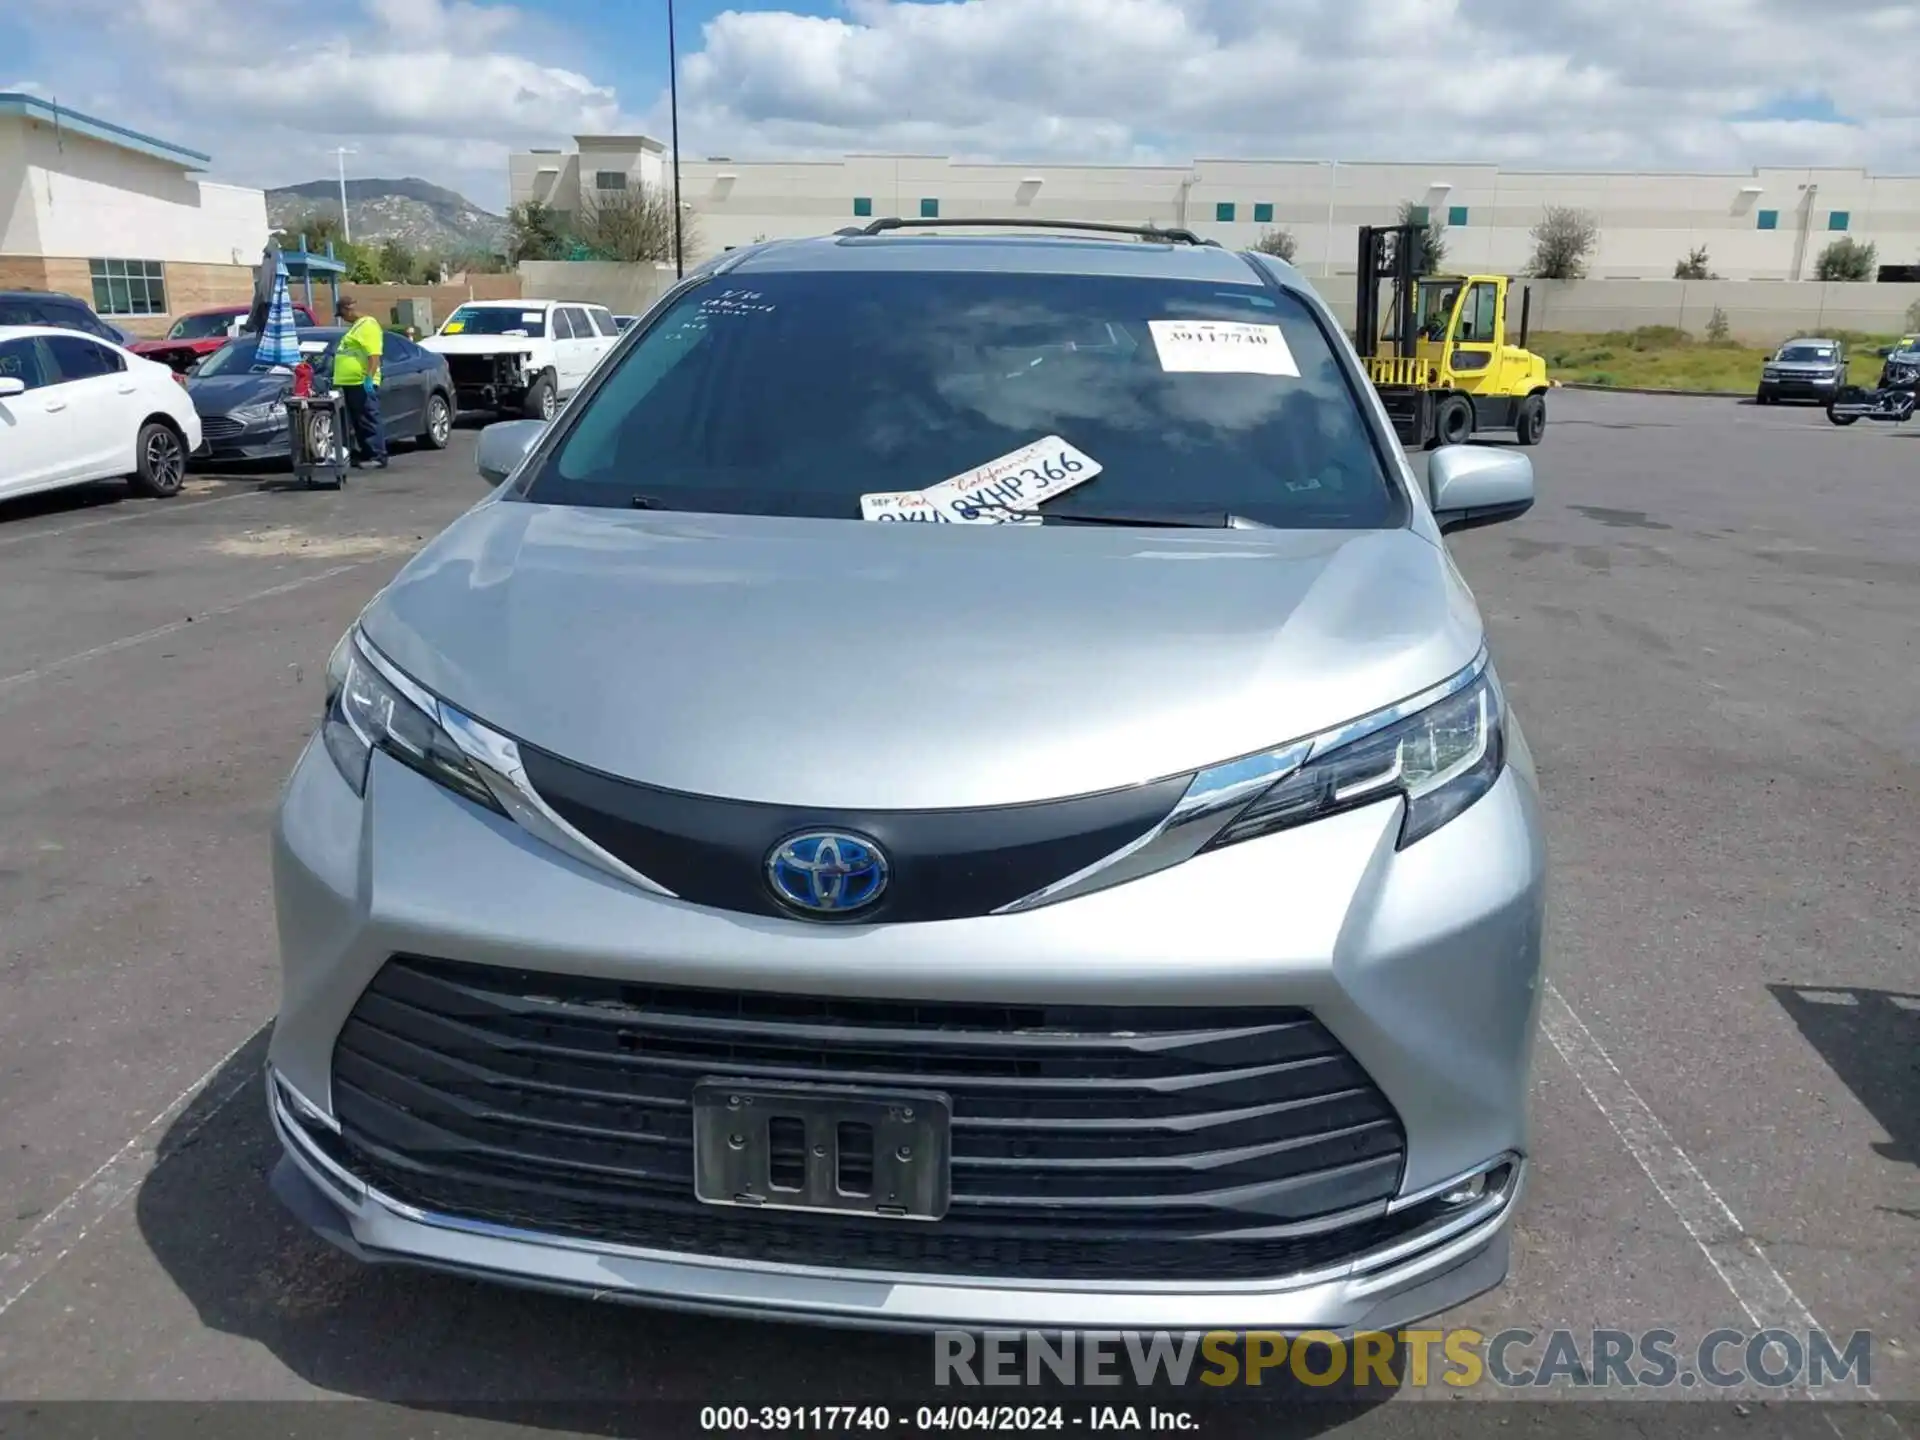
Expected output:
(1438, 352)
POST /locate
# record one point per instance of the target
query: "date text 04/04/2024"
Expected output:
(822, 1418)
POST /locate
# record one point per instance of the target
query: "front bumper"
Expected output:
(1423, 963)
(266, 441)
(1800, 387)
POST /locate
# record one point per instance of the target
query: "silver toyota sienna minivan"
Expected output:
(955, 784)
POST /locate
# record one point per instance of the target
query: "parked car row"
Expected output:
(80, 400)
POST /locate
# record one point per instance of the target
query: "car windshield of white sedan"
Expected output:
(496, 320)
(800, 392)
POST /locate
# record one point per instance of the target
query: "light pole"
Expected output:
(1333, 189)
(673, 104)
(340, 153)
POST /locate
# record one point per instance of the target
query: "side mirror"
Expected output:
(1884, 351)
(1473, 485)
(503, 446)
(12, 385)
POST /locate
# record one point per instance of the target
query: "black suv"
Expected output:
(47, 307)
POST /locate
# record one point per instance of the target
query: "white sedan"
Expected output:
(74, 408)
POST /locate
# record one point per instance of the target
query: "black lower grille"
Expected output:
(219, 427)
(1116, 1143)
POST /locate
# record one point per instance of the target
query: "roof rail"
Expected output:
(1173, 235)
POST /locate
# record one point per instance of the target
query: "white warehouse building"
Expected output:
(120, 219)
(1765, 224)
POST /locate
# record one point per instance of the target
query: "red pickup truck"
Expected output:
(202, 333)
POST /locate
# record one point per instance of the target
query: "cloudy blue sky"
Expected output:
(444, 88)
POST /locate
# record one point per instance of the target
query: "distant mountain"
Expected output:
(422, 215)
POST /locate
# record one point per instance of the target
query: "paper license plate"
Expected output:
(1021, 481)
(822, 1147)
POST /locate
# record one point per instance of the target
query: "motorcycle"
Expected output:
(1891, 402)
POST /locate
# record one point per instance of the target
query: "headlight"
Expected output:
(366, 712)
(264, 413)
(1769, 373)
(1438, 760)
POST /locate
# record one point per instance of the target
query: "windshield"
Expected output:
(236, 357)
(495, 320)
(201, 327)
(800, 392)
(1807, 354)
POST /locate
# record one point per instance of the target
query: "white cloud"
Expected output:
(1629, 83)
(439, 88)
(443, 88)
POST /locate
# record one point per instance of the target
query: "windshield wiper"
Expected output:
(1161, 518)
(645, 502)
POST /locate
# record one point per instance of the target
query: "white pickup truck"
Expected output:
(522, 357)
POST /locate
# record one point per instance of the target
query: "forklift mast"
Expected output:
(1394, 253)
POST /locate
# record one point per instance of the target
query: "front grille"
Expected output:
(219, 427)
(1119, 1143)
(479, 370)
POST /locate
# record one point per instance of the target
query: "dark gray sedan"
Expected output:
(239, 400)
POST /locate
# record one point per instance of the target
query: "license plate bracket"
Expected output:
(840, 1149)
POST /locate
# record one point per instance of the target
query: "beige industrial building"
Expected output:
(1764, 224)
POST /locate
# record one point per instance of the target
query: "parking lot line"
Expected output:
(122, 517)
(127, 642)
(1761, 1290)
(62, 1228)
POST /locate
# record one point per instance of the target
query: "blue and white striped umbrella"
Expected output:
(278, 344)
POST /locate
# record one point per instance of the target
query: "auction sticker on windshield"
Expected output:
(1222, 347)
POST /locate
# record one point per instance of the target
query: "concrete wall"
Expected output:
(1757, 311)
(1648, 221)
(379, 300)
(623, 289)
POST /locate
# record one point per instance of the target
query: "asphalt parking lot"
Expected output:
(1707, 625)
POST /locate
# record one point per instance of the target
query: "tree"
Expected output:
(1433, 240)
(1277, 241)
(633, 225)
(1563, 241)
(399, 263)
(1913, 316)
(1695, 267)
(1718, 329)
(535, 232)
(1847, 259)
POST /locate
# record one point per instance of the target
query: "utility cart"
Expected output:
(317, 432)
(1438, 351)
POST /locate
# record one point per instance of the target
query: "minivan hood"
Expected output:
(833, 663)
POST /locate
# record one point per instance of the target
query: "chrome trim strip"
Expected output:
(1426, 1193)
(496, 758)
(300, 1103)
(1211, 799)
(1215, 795)
(304, 1151)
(1364, 1264)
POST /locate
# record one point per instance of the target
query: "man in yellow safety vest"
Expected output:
(356, 375)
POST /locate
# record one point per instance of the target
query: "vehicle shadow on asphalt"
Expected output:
(471, 1350)
(1871, 1040)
